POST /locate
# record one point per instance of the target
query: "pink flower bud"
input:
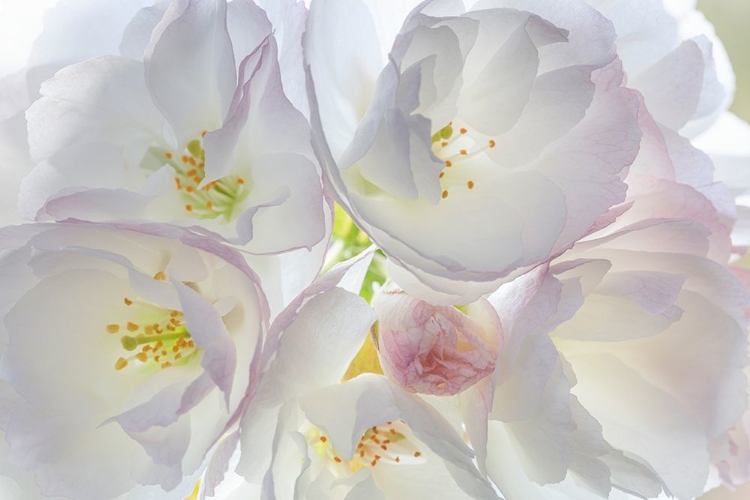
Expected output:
(435, 350)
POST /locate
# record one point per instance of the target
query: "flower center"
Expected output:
(387, 443)
(454, 147)
(156, 336)
(215, 199)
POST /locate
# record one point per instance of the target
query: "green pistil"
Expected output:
(196, 149)
(443, 134)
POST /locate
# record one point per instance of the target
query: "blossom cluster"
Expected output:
(374, 250)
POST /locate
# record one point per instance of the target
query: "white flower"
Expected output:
(305, 434)
(473, 145)
(126, 352)
(189, 125)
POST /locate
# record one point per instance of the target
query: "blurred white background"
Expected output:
(732, 21)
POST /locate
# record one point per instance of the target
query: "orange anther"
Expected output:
(192, 161)
(442, 174)
(168, 155)
(444, 143)
(121, 363)
(463, 130)
(128, 302)
(417, 454)
(240, 181)
(191, 172)
(337, 459)
(203, 134)
(132, 327)
(166, 364)
(113, 328)
(470, 184)
(210, 205)
(398, 459)
(445, 194)
(189, 208)
(189, 189)
(184, 159)
(463, 152)
(492, 143)
(174, 314)
(323, 439)
(177, 356)
(448, 163)
(142, 357)
(160, 276)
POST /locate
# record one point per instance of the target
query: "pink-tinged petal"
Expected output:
(81, 105)
(315, 350)
(540, 443)
(672, 87)
(218, 467)
(331, 27)
(248, 25)
(348, 276)
(558, 101)
(382, 141)
(435, 349)
(36, 438)
(476, 405)
(165, 407)
(611, 132)
(220, 145)
(137, 35)
(285, 182)
(287, 188)
(205, 325)
(645, 422)
(519, 396)
(591, 35)
(288, 18)
(646, 31)
(190, 67)
(325, 362)
(516, 62)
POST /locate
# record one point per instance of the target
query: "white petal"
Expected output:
(190, 67)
